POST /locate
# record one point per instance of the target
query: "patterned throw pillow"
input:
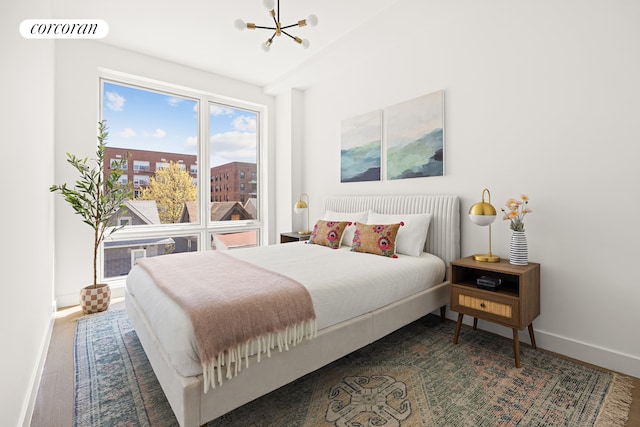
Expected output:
(328, 233)
(378, 239)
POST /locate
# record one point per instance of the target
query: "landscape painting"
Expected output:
(361, 146)
(415, 137)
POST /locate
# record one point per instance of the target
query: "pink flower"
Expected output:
(378, 228)
(384, 244)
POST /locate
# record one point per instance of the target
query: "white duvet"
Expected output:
(342, 285)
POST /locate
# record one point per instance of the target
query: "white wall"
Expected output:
(77, 114)
(541, 98)
(26, 120)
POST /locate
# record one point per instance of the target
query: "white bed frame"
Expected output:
(193, 407)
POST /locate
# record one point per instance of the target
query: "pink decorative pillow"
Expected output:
(328, 233)
(378, 239)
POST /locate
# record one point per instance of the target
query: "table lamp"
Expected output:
(300, 207)
(483, 214)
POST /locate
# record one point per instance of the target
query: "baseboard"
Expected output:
(599, 356)
(606, 358)
(68, 300)
(36, 376)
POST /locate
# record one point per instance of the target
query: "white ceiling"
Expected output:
(201, 33)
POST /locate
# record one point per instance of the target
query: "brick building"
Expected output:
(142, 165)
(234, 182)
(231, 182)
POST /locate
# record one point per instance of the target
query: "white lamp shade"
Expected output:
(300, 207)
(482, 220)
(240, 24)
(269, 4)
(312, 20)
(305, 43)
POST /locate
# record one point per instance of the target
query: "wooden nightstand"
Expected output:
(293, 236)
(515, 304)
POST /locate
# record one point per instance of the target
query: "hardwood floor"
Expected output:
(54, 404)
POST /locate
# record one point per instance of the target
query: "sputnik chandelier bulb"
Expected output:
(278, 29)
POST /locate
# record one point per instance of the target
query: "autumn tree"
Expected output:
(170, 188)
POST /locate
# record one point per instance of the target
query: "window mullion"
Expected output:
(205, 168)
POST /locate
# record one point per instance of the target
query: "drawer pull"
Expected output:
(482, 305)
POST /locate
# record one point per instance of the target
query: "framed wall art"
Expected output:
(414, 137)
(361, 148)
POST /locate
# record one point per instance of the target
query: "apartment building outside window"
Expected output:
(187, 193)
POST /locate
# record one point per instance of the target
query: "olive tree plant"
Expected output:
(96, 195)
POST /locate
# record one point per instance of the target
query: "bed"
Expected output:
(419, 288)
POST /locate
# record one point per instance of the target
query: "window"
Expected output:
(160, 129)
(118, 163)
(140, 181)
(162, 165)
(141, 166)
(120, 255)
(137, 254)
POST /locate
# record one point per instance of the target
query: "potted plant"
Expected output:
(96, 196)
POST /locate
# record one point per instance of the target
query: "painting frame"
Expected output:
(361, 148)
(414, 137)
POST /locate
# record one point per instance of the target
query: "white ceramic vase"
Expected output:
(518, 250)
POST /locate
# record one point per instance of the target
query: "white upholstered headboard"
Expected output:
(443, 238)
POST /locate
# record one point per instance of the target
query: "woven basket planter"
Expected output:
(95, 300)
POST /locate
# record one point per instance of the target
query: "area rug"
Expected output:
(413, 377)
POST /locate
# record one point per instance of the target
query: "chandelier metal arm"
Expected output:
(289, 26)
(264, 28)
(293, 37)
(274, 12)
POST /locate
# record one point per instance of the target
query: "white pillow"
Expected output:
(412, 236)
(353, 217)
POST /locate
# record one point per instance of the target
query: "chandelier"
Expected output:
(278, 29)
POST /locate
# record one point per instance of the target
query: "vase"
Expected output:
(518, 250)
(95, 300)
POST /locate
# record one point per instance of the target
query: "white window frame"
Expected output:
(136, 254)
(124, 220)
(205, 226)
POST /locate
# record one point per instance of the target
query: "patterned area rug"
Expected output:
(413, 377)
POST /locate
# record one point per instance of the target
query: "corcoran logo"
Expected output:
(64, 28)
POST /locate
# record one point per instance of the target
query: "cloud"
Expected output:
(115, 101)
(191, 144)
(174, 101)
(245, 123)
(128, 133)
(219, 110)
(234, 146)
(159, 133)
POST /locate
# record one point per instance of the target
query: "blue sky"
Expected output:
(146, 120)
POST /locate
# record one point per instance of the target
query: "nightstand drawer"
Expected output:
(478, 304)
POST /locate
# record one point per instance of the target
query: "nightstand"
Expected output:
(293, 236)
(515, 304)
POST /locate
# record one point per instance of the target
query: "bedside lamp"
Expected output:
(483, 214)
(299, 208)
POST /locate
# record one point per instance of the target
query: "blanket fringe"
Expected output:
(232, 358)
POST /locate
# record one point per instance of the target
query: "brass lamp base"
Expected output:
(304, 233)
(486, 258)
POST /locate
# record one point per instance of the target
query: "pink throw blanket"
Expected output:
(232, 303)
